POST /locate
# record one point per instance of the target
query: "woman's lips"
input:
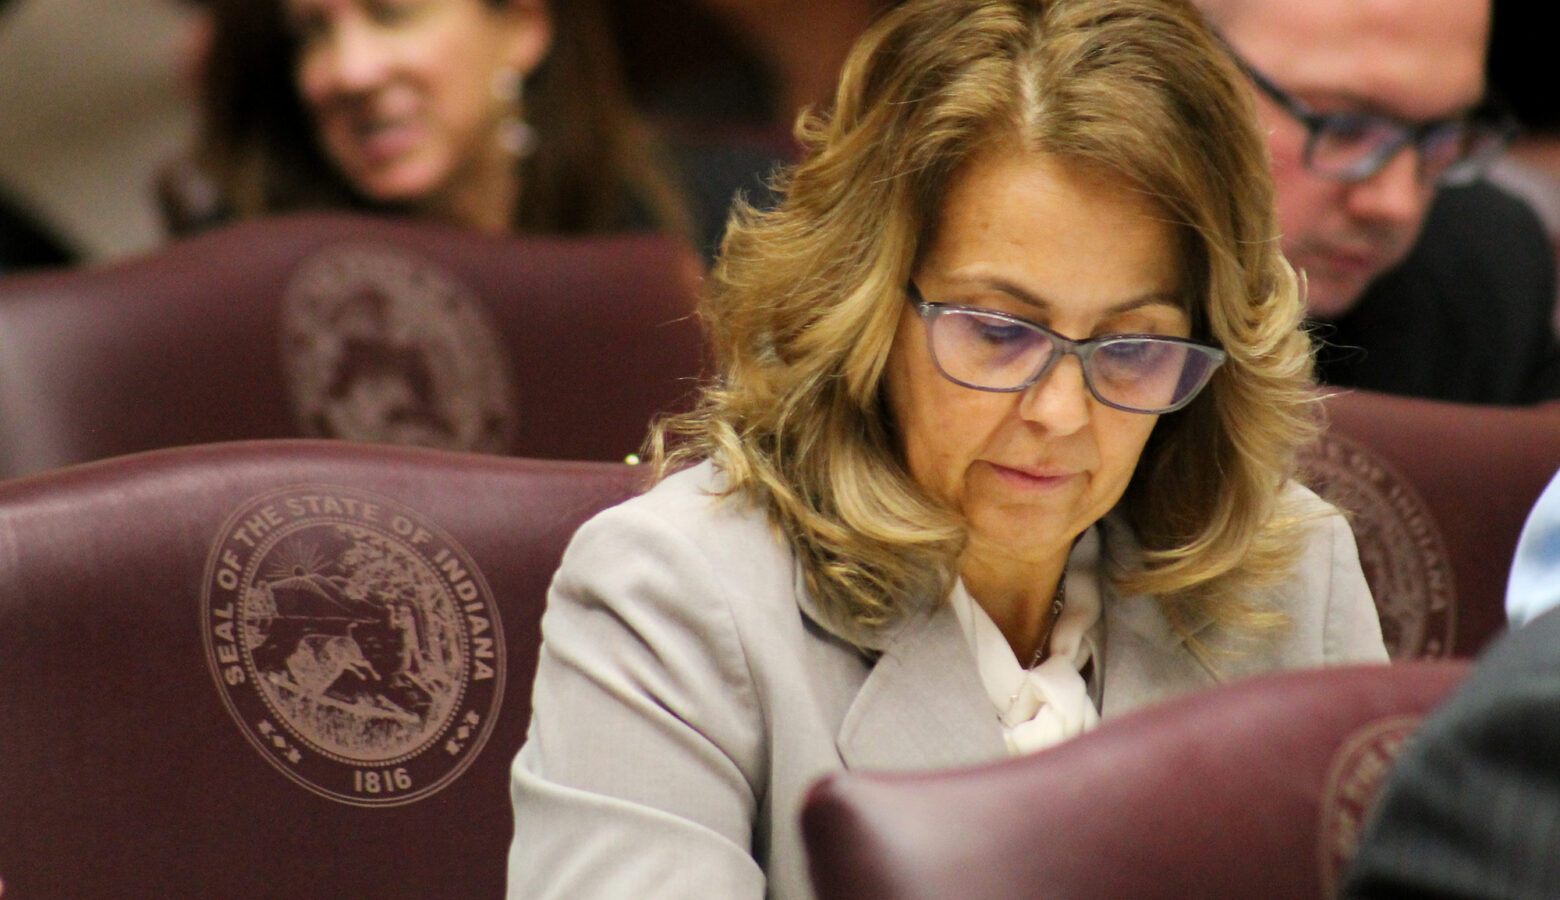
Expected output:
(1034, 478)
(380, 142)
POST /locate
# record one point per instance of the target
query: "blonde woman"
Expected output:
(1010, 390)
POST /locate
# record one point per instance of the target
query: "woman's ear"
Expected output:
(528, 26)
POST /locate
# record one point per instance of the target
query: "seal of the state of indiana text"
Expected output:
(355, 643)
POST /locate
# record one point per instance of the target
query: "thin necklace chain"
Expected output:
(1058, 603)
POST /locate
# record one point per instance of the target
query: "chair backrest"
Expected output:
(273, 668)
(1255, 789)
(351, 326)
(1437, 494)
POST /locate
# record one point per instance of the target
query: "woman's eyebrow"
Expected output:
(1023, 295)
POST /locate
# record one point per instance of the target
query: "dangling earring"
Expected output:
(515, 134)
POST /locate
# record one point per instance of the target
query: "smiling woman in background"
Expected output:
(495, 114)
(1011, 385)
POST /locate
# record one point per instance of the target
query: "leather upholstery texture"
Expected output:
(274, 668)
(1437, 494)
(356, 327)
(1253, 789)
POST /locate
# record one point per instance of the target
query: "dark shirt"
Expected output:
(715, 172)
(1472, 807)
(1467, 317)
(710, 173)
(26, 244)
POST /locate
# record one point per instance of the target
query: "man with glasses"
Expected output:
(1423, 279)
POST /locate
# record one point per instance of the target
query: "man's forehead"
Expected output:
(1417, 59)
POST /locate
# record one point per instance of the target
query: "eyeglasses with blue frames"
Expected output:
(993, 351)
(1354, 146)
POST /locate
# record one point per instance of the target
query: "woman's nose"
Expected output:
(1059, 401)
(352, 60)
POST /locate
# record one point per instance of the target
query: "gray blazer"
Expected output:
(690, 690)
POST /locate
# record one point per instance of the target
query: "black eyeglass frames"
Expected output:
(1354, 146)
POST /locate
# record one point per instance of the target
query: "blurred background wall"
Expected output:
(92, 103)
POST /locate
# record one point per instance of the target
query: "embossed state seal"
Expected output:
(1401, 549)
(381, 345)
(1359, 768)
(354, 642)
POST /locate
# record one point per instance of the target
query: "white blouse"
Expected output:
(1049, 703)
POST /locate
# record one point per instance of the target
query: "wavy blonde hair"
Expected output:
(803, 304)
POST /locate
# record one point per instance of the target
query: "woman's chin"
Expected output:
(404, 193)
(404, 184)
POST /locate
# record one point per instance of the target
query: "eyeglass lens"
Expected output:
(992, 352)
(1356, 147)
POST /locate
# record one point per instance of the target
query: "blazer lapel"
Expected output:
(922, 706)
(1145, 660)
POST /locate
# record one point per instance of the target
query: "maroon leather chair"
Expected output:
(1255, 789)
(350, 326)
(282, 669)
(1437, 493)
